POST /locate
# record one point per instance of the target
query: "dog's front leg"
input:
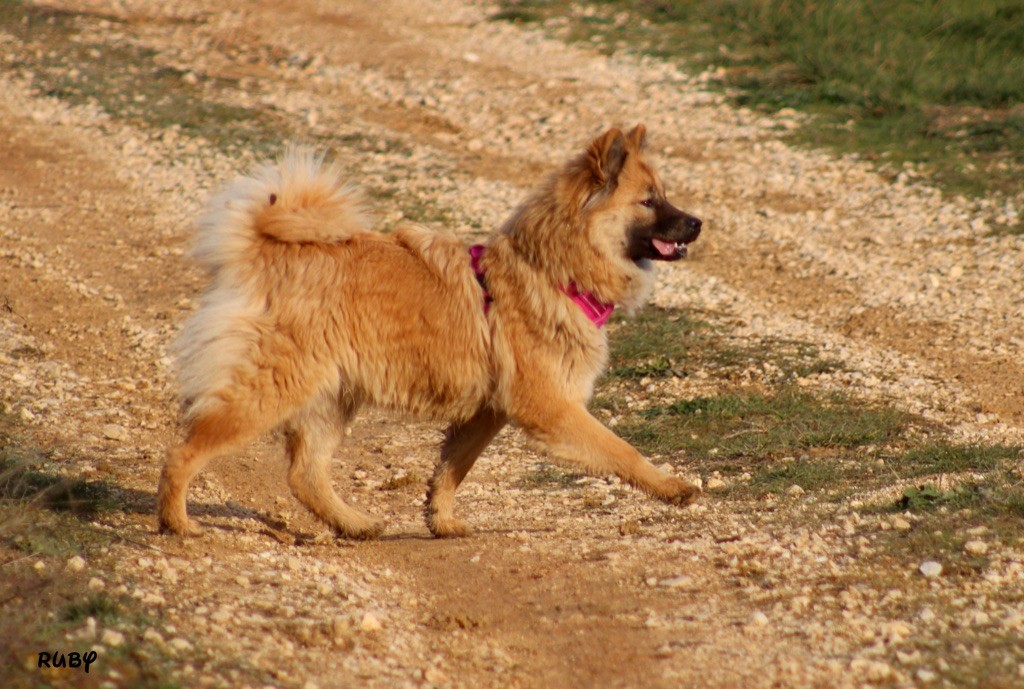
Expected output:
(570, 433)
(462, 445)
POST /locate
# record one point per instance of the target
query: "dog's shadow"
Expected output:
(90, 499)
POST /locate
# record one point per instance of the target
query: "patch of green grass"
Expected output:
(743, 428)
(992, 491)
(755, 424)
(98, 605)
(810, 474)
(994, 496)
(982, 498)
(943, 458)
(934, 85)
(658, 343)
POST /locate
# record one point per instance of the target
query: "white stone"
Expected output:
(976, 547)
(675, 582)
(114, 432)
(370, 623)
(930, 569)
(76, 563)
(434, 676)
(180, 644)
(112, 638)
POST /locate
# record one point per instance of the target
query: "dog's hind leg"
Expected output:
(570, 433)
(211, 433)
(312, 436)
(462, 445)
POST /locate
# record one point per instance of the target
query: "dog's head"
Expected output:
(602, 221)
(626, 213)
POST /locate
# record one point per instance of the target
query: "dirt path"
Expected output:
(577, 585)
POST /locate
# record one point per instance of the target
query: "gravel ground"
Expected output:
(450, 118)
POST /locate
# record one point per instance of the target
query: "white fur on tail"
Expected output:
(301, 198)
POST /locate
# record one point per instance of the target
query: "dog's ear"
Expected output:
(606, 155)
(637, 136)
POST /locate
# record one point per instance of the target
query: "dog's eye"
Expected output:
(647, 203)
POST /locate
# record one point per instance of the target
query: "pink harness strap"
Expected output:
(596, 310)
(476, 252)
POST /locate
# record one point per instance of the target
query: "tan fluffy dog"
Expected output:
(310, 315)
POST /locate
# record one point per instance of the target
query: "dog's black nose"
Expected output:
(692, 226)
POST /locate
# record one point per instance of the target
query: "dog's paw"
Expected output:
(677, 491)
(448, 528)
(180, 527)
(365, 530)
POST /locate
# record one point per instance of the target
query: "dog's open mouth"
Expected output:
(665, 238)
(667, 250)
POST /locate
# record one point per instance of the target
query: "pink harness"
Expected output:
(596, 310)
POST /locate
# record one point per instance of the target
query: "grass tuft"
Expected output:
(941, 458)
(754, 424)
(99, 606)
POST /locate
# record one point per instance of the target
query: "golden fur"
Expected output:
(310, 315)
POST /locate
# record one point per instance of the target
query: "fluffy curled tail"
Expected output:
(301, 198)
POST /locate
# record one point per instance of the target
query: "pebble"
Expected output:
(112, 638)
(930, 569)
(795, 490)
(154, 599)
(112, 431)
(76, 563)
(714, 483)
(96, 584)
(759, 619)
(370, 623)
(1013, 621)
(872, 670)
(179, 644)
(675, 582)
(434, 676)
(976, 547)
(901, 524)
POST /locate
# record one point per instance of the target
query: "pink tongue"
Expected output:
(664, 248)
